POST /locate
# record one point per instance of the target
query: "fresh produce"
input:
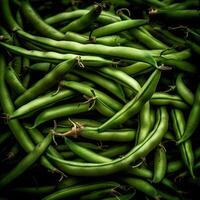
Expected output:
(99, 100)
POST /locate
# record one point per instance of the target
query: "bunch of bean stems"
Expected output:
(99, 100)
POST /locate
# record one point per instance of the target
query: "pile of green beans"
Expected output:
(99, 100)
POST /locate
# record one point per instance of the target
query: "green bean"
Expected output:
(85, 153)
(120, 52)
(60, 111)
(111, 40)
(99, 194)
(183, 90)
(5, 36)
(82, 121)
(174, 166)
(104, 18)
(120, 135)
(193, 118)
(186, 146)
(19, 20)
(101, 97)
(102, 169)
(26, 162)
(117, 27)
(120, 77)
(79, 190)
(105, 83)
(167, 196)
(115, 151)
(137, 68)
(13, 81)
(160, 164)
(41, 102)
(38, 137)
(35, 20)
(84, 21)
(8, 108)
(143, 172)
(64, 16)
(134, 105)
(142, 186)
(7, 16)
(94, 61)
(144, 124)
(163, 98)
(142, 37)
(178, 64)
(46, 82)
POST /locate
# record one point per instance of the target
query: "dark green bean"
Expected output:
(79, 190)
(84, 21)
(163, 98)
(117, 27)
(46, 82)
(35, 20)
(85, 153)
(160, 164)
(42, 102)
(183, 90)
(26, 162)
(142, 185)
(193, 118)
(134, 105)
(140, 150)
(186, 146)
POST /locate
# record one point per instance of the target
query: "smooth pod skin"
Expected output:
(76, 190)
(142, 186)
(105, 83)
(137, 68)
(26, 162)
(60, 111)
(13, 81)
(41, 102)
(103, 169)
(186, 146)
(134, 105)
(117, 27)
(193, 118)
(36, 21)
(144, 123)
(84, 21)
(183, 90)
(163, 98)
(160, 164)
(85, 153)
(98, 49)
(46, 82)
(120, 77)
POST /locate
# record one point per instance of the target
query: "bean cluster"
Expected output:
(99, 100)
